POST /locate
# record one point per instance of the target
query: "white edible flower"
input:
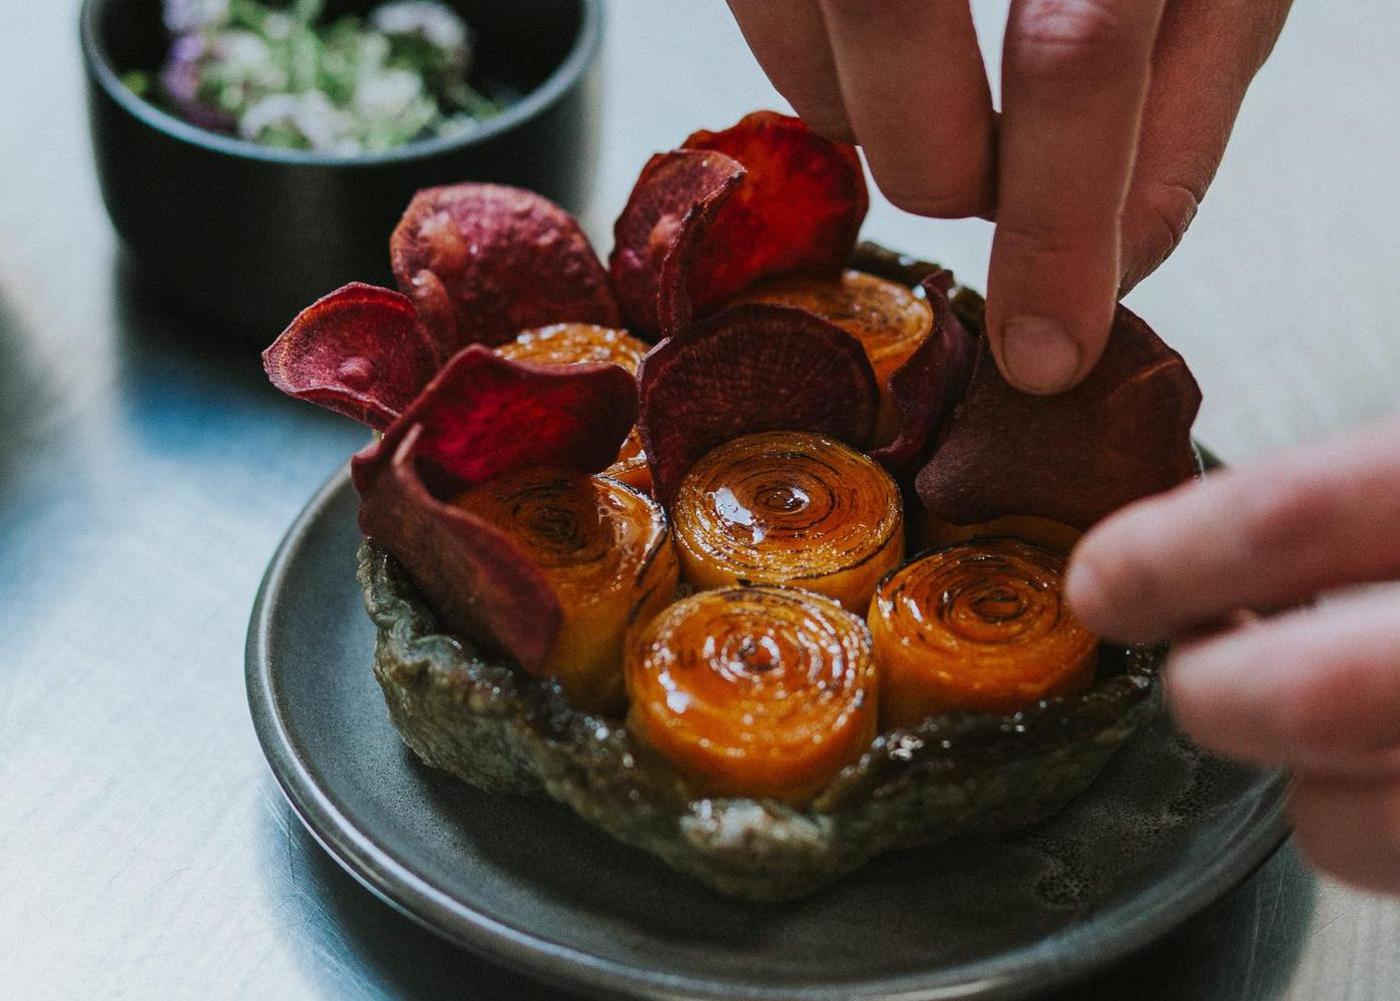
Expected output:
(183, 16)
(387, 94)
(436, 22)
(310, 113)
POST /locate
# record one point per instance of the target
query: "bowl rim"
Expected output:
(581, 55)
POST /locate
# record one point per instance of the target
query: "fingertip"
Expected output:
(1038, 355)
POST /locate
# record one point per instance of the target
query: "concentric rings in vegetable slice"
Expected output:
(655, 236)
(484, 261)
(750, 368)
(359, 351)
(978, 627)
(799, 207)
(1121, 434)
(789, 508)
(603, 548)
(761, 692)
(482, 417)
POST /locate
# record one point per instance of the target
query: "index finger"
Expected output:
(1074, 79)
(1254, 537)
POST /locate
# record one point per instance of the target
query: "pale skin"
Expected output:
(1115, 116)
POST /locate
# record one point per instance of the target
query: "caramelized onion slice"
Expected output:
(604, 551)
(575, 344)
(583, 344)
(787, 507)
(978, 626)
(765, 692)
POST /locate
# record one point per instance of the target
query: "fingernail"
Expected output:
(1039, 356)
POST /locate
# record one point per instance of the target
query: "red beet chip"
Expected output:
(669, 209)
(1123, 433)
(799, 207)
(359, 351)
(483, 262)
(747, 369)
(484, 415)
(471, 573)
(927, 387)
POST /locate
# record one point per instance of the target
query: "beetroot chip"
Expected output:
(359, 351)
(747, 369)
(1123, 433)
(484, 415)
(799, 207)
(483, 262)
(927, 387)
(473, 576)
(669, 209)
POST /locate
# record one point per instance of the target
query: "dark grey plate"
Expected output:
(1163, 833)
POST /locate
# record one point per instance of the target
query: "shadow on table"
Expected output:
(1243, 948)
(186, 382)
(361, 947)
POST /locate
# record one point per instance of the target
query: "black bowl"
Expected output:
(244, 235)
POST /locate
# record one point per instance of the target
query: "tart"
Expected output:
(762, 722)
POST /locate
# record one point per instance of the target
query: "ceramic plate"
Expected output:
(1165, 831)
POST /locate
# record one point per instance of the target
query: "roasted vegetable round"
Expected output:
(754, 691)
(604, 549)
(979, 626)
(786, 507)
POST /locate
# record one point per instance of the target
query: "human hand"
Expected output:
(1116, 114)
(1316, 688)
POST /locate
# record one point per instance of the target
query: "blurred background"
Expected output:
(147, 472)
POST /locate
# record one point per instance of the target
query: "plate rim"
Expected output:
(1037, 968)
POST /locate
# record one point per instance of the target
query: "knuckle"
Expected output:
(947, 202)
(1073, 41)
(1156, 220)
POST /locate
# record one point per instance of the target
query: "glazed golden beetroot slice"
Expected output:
(799, 207)
(763, 692)
(789, 508)
(483, 261)
(359, 351)
(1122, 434)
(575, 344)
(485, 416)
(666, 215)
(750, 368)
(603, 548)
(980, 627)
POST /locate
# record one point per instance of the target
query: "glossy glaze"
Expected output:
(978, 626)
(785, 507)
(606, 551)
(754, 691)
